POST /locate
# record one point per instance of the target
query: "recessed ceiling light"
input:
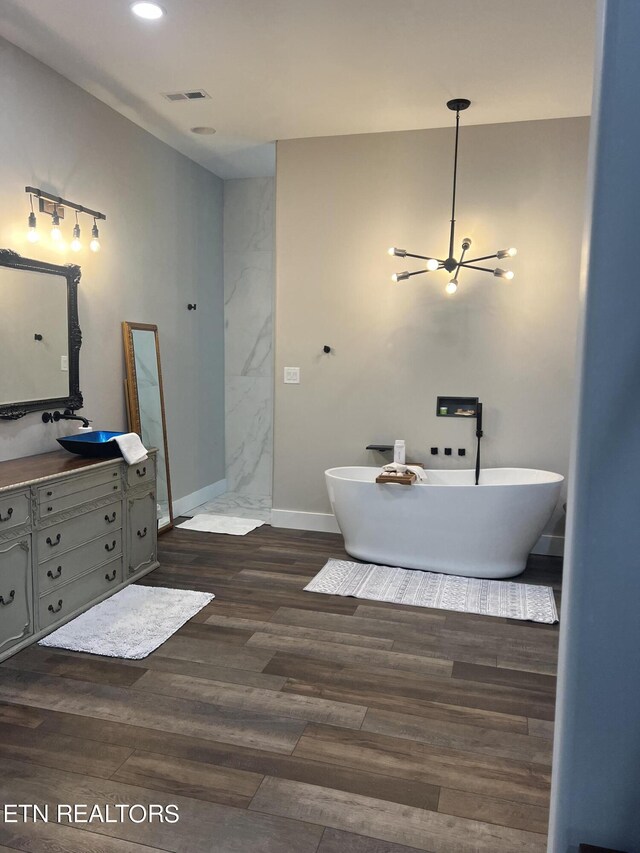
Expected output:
(148, 11)
(203, 131)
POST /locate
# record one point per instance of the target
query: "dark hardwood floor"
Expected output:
(282, 721)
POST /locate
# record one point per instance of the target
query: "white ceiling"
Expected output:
(281, 69)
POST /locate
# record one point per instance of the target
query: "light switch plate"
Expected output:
(64, 362)
(292, 375)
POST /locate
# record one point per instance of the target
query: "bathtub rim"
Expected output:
(551, 477)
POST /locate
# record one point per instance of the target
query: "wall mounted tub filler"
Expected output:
(451, 264)
(67, 415)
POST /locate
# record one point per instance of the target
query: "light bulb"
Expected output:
(500, 273)
(400, 276)
(509, 274)
(32, 233)
(94, 245)
(76, 245)
(432, 264)
(452, 286)
(399, 253)
(148, 11)
(507, 253)
(56, 233)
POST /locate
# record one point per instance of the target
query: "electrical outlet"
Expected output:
(64, 362)
(292, 375)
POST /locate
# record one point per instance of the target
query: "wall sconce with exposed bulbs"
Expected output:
(451, 264)
(54, 206)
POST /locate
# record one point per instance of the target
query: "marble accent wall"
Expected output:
(248, 296)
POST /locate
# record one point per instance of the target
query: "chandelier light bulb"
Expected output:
(507, 253)
(452, 286)
(400, 276)
(399, 253)
(500, 273)
(432, 264)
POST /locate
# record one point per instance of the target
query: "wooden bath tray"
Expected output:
(407, 479)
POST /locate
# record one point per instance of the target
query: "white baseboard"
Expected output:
(209, 493)
(549, 545)
(325, 522)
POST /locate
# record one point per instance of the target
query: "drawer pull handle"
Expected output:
(12, 595)
(142, 533)
(141, 473)
(57, 609)
(54, 542)
(112, 548)
(115, 474)
(111, 577)
(49, 494)
(112, 518)
(49, 509)
(51, 575)
(7, 517)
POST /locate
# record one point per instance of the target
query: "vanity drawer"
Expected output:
(63, 568)
(16, 620)
(69, 534)
(143, 532)
(70, 485)
(14, 510)
(53, 505)
(142, 472)
(72, 596)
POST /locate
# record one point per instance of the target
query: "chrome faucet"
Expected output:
(67, 415)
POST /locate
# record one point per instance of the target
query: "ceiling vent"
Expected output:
(191, 95)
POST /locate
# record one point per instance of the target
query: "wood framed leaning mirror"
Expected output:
(145, 406)
(40, 336)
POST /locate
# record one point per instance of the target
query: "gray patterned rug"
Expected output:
(444, 592)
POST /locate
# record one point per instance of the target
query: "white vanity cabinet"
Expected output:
(72, 532)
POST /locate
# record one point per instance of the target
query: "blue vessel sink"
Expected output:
(95, 443)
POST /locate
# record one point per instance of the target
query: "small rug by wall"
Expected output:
(131, 624)
(444, 592)
(210, 523)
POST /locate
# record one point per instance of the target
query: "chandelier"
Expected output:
(450, 264)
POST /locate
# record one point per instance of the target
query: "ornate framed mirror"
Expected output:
(145, 406)
(40, 336)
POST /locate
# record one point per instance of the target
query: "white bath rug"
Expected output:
(444, 592)
(207, 523)
(131, 624)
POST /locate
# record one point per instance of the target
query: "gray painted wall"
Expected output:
(340, 203)
(248, 288)
(162, 248)
(597, 753)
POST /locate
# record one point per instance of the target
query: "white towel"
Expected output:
(418, 470)
(131, 447)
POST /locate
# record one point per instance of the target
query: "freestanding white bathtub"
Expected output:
(448, 524)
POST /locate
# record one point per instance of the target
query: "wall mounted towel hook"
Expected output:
(326, 348)
(191, 306)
